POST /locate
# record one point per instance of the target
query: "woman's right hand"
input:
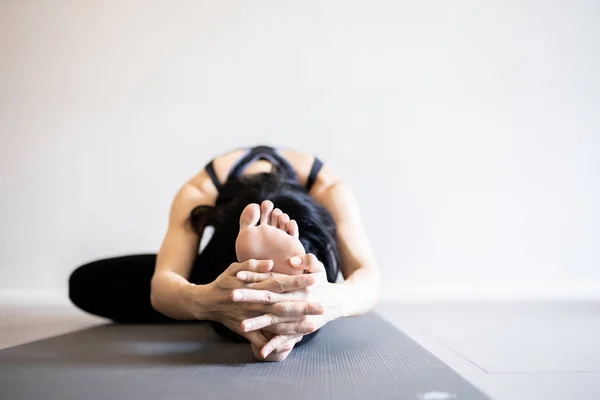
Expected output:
(231, 313)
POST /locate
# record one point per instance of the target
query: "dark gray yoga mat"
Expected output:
(358, 358)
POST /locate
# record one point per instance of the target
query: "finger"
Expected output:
(265, 211)
(287, 346)
(256, 338)
(251, 265)
(255, 296)
(285, 283)
(278, 325)
(292, 328)
(250, 277)
(275, 217)
(257, 323)
(308, 262)
(254, 324)
(292, 229)
(283, 221)
(266, 296)
(273, 344)
(287, 309)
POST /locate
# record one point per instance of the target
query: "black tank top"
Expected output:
(270, 154)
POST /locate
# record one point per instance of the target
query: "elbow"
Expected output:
(154, 296)
(154, 302)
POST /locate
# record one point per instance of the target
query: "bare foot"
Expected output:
(268, 234)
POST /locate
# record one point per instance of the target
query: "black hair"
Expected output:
(316, 225)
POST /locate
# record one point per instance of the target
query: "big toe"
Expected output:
(250, 216)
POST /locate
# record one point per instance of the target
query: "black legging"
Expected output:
(119, 289)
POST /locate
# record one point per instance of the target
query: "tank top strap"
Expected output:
(210, 169)
(314, 172)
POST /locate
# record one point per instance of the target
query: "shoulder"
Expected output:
(221, 164)
(196, 192)
(303, 162)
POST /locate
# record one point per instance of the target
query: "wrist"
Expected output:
(344, 296)
(337, 303)
(356, 297)
(198, 301)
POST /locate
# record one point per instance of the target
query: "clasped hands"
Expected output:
(273, 311)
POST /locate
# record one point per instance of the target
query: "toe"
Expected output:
(292, 229)
(266, 209)
(283, 220)
(275, 217)
(250, 216)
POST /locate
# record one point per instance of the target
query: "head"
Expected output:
(316, 225)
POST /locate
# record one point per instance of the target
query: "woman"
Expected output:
(267, 274)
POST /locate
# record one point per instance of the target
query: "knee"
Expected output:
(75, 282)
(80, 284)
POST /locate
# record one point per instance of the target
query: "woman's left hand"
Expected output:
(290, 329)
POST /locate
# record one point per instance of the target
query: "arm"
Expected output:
(171, 293)
(361, 289)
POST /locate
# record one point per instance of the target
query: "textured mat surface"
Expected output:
(358, 358)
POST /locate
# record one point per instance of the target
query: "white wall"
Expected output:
(470, 130)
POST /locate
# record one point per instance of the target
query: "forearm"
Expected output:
(359, 293)
(177, 298)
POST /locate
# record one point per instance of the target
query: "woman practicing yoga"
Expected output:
(283, 224)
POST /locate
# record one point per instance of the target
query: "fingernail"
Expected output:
(243, 276)
(317, 309)
(296, 260)
(266, 352)
(237, 295)
(247, 326)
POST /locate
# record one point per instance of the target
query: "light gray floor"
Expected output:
(23, 324)
(512, 351)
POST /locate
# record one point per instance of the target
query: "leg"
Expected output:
(117, 288)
